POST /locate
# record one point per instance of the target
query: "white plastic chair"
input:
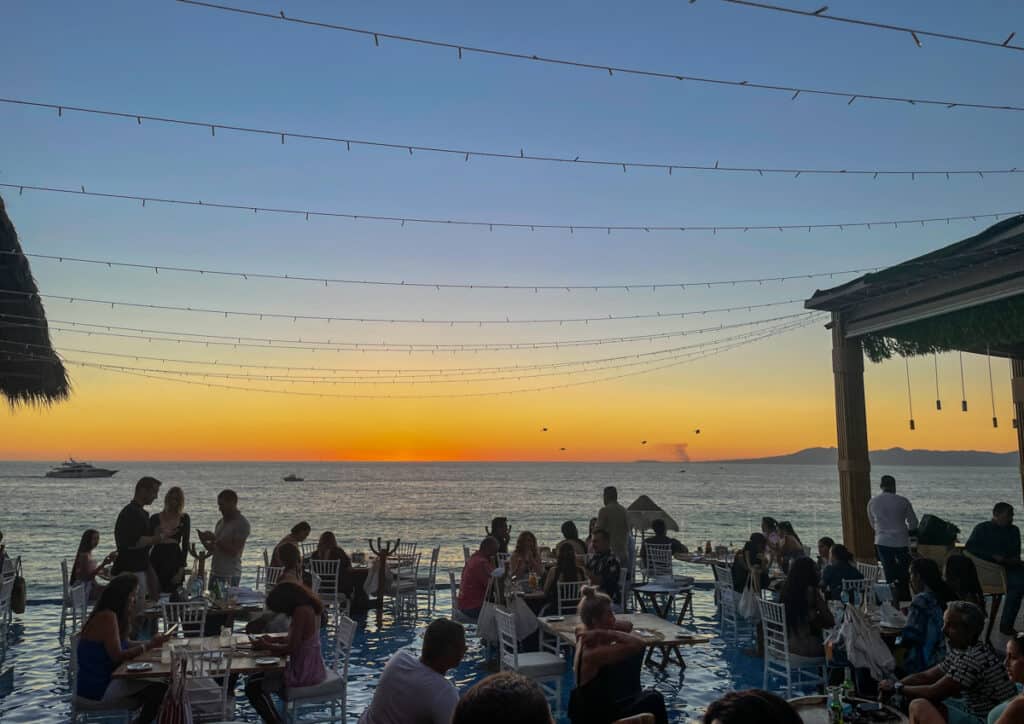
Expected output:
(190, 614)
(65, 600)
(327, 572)
(465, 554)
(869, 571)
(777, 659)
(405, 550)
(426, 585)
(403, 583)
(659, 561)
(544, 667)
(84, 710)
(266, 559)
(569, 596)
(79, 606)
(334, 688)
(727, 600)
(210, 701)
(6, 591)
(266, 577)
(307, 548)
(861, 592)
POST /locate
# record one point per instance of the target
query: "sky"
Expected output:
(748, 396)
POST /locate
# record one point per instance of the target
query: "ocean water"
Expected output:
(438, 504)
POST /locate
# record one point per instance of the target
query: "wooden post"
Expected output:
(383, 551)
(1017, 386)
(852, 442)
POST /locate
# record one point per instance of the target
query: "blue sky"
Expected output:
(166, 58)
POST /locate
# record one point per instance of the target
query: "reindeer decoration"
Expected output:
(382, 551)
(199, 567)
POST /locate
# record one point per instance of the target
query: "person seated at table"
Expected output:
(752, 705)
(501, 531)
(305, 665)
(770, 531)
(525, 559)
(565, 570)
(475, 577)
(962, 578)
(327, 549)
(840, 569)
(290, 560)
(103, 645)
(967, 684)
(85, 569)
(1012, 711)
(505, 698)
(790, 545)
(824, 552)
(660, 538)
(607, 665)
(807, 614)
(922, 634)
(300, 532)
(571, 535)
(998, 541)
(603, 568)
(412, 689)
(752, 558)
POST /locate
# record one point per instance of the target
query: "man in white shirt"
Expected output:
(415, 691)
(892, 517)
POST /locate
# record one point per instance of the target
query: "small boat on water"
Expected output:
(293, 478)
(71, 468)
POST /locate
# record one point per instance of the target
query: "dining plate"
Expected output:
(267, 660)
(139, 666)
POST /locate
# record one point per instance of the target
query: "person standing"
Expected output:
(414, 689)
(133, 538)
(998, 541)
(892, 518)
(603, 566)
(612, 519)
(227, 541)
(169, 557)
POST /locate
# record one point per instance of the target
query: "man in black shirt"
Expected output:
(132, 536)
(998, 541)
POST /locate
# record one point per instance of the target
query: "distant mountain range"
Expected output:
(892, 456)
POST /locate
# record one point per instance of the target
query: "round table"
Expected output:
(812, 710)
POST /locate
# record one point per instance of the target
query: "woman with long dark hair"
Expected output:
(807, 614)
(922, 635)
(565, 570)
(103, 645)
(305, 665)
(85, 569)
(170, 557)
(790, 545)
(327, 549)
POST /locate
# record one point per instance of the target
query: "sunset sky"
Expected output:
(762, 397)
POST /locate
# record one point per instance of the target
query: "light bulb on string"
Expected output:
(963, 386)
(991, 388)
(910, 401)
(938, 397)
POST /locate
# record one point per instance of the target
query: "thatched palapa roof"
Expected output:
(31, 372)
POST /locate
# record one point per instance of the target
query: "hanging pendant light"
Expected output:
(963, 387)
(938, 397)
(910, 401)
(991, 389)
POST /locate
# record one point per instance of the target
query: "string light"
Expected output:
(521, 226)
(410, 380)
(546, 388)
(414, 373)
(157, 268)
(603, 68)
(422, 320)
(914, 32)
(466, 154)
(92, 328)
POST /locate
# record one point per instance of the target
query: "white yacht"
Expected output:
(71, 468)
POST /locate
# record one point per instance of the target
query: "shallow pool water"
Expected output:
(33, 676)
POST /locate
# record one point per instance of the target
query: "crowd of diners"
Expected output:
(950, 672)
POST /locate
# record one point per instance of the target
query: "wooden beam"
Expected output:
(852, 442)
(1017, 386)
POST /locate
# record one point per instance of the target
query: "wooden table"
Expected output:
(657, 634)
(243, 661)
(812, 709)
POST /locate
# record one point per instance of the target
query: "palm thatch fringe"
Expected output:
(31, 372)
